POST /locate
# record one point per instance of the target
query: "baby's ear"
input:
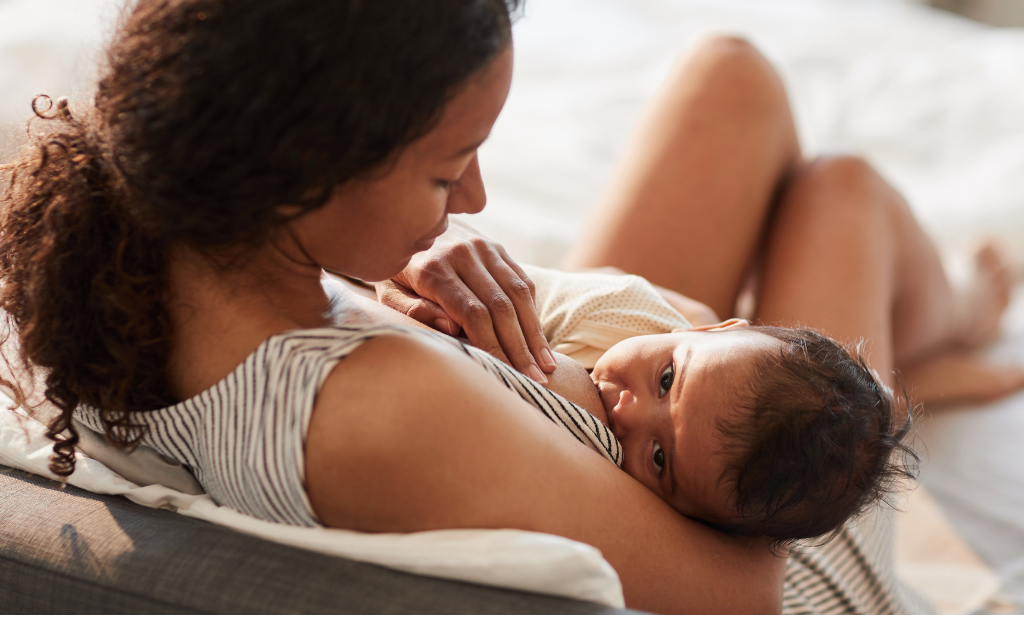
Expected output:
(732, 323)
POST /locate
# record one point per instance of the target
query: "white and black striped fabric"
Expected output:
(851, 573)
(244, 437)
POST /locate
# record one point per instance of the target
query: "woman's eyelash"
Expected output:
(445, 184)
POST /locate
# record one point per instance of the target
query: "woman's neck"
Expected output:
(220, 313)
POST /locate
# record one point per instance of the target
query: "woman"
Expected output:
(158, 241)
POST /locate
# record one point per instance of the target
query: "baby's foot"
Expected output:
(958, 379)
(984, 297)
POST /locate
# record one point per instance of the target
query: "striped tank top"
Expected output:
(244, 437)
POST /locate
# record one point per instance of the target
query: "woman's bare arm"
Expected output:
(408, 436)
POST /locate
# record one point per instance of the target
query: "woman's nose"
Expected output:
(469, 197)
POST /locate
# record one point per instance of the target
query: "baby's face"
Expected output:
(666, 396)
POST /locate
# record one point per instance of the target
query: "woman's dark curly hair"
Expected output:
(209, 115)
(820, 440)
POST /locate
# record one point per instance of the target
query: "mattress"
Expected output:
(935, 101)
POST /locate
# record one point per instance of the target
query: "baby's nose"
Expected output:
(625, 414)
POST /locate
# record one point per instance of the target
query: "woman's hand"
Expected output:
(467, 282)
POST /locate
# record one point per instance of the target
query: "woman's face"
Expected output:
(372, 226)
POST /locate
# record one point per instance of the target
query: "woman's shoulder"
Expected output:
(392, 405)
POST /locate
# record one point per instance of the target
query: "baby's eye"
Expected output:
(665, 382)
(659, 458)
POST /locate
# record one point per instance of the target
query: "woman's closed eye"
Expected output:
(447, 184)
(665, 381)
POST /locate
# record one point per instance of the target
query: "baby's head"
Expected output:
(762, 431)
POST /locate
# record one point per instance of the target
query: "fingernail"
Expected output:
(442, 324)
(548, 358)
(536, 375)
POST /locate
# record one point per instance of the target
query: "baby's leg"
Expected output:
(688, 204)
(846, 255)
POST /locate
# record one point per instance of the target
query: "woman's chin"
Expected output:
(378, 272)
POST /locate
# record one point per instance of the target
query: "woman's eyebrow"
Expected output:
(469, 149)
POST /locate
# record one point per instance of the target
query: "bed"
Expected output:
(934, 100)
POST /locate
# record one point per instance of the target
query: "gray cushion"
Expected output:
(64, 550)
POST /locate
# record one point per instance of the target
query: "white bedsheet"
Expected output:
(935, 101)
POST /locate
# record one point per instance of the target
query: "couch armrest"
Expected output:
(64, 550)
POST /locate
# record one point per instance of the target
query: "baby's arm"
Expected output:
(696, 312)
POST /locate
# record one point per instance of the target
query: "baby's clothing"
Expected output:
(244, 438)
(584, 314)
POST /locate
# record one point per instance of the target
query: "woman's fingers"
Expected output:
(401, 299)
(524, 292)
(487, 316)
(479, 289)
(501, 317)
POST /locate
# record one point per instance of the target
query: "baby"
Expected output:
(756, 430)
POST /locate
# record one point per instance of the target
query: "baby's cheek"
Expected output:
(633, 467)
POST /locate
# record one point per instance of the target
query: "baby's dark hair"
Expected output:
(824, 440)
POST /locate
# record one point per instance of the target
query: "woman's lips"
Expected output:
(427, 241)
